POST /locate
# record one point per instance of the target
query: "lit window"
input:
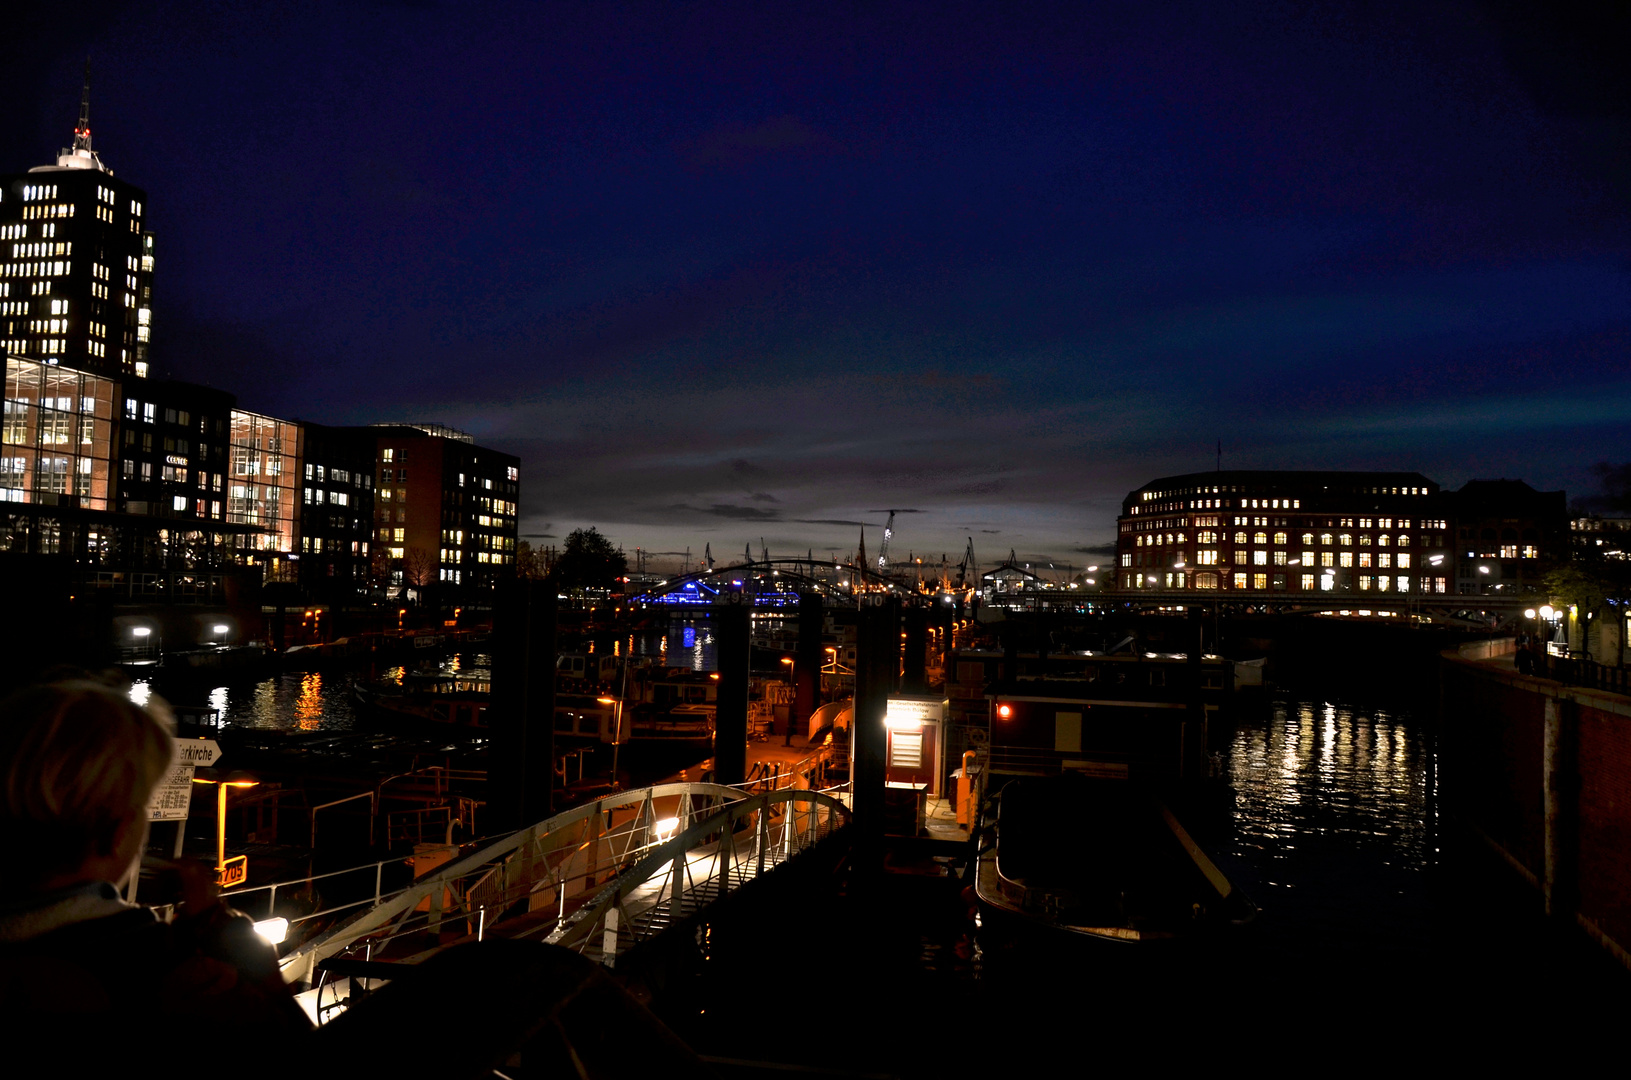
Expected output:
(1509, 551)
(1345, 558)
(1308, 582)
(1240, 581)
(1260, 558)
(1260, 581)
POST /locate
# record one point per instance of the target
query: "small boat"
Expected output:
(453, 700)
(1103, 859)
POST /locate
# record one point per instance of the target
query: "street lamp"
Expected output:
(617, 703)
(788, 660)
(238, 779)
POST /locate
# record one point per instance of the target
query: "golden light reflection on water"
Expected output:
(1313, 771)
(308, 707)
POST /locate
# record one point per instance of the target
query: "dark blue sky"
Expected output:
(720, 272)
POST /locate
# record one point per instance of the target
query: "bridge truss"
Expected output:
(775, 583)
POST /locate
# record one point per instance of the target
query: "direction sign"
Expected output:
(203, 752)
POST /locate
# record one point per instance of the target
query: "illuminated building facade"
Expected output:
(445, 510)
(76, 263)
(336, 511)
(1363, 535)
(56, 436)
(263, 490)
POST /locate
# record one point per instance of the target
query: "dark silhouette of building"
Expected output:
(1508, 536)
(336, 512)
(76, 263)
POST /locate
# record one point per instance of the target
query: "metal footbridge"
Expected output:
(602, 879)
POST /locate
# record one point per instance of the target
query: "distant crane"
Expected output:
(968, 566)
(883, 549)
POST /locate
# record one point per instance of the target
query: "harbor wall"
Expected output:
(1542, 772)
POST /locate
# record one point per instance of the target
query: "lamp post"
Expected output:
(788, 661)
(238, 779)
(617, 718)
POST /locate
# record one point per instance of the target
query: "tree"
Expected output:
(589, 561)
(1598, 589)
(417, 567)
(533, 564)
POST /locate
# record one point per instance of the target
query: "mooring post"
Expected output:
(876, 658)
(732, 639)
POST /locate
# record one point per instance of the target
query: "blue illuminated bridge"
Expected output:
(773, 583)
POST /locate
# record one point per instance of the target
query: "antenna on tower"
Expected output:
(82, 133)
(80, 155)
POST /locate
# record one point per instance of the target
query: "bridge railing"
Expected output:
(1579, 671)
(686, 883)
(543, 865)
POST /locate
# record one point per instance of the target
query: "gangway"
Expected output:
(601, 879)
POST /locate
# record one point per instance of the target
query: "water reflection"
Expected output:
(1308, 776)
(308, 707)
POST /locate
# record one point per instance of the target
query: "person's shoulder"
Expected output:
(83, 967)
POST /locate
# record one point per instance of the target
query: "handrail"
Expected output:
(577, 928)
(301, 962)
(369, 795)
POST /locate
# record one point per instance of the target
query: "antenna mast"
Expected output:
(82, 133)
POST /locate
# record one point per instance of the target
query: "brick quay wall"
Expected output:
(1542, 772)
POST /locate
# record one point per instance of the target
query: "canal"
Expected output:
(1380, 921)
(1386, 937)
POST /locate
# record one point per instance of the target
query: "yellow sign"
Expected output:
(235, 871)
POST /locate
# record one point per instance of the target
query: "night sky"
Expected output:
(720, 272)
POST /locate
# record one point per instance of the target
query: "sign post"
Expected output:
(173, 797)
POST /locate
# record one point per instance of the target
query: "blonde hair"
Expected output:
(78, 761)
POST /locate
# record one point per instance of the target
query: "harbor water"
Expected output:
(1385, 935)
(1378, 914)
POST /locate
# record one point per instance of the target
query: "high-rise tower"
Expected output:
(76, 262)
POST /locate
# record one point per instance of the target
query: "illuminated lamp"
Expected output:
(273, 931)
(1547, 611)
(1005, 711)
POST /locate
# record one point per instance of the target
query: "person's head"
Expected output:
(78, 763)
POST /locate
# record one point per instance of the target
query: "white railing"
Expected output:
(544, 864)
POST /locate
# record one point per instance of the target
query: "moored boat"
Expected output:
(1103, 859)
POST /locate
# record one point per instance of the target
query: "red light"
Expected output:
(1005, 711)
